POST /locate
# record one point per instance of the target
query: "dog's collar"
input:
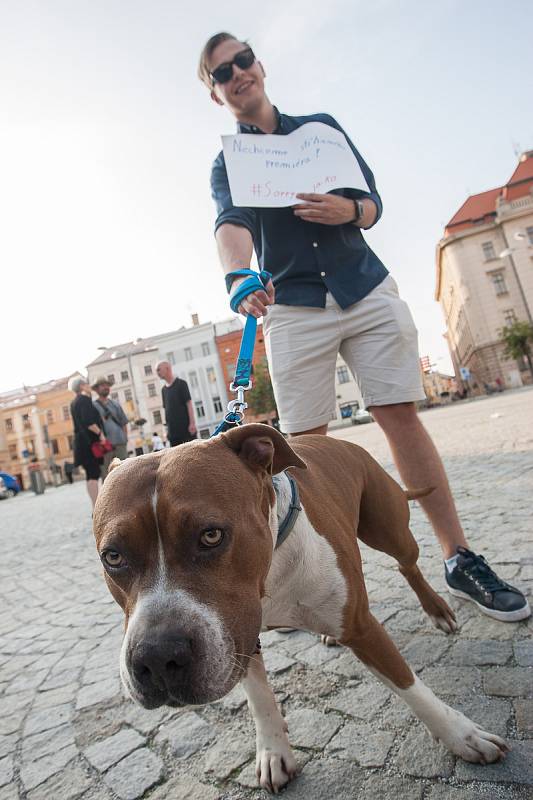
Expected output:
(287, 523)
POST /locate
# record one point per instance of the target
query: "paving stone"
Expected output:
(363, 701)
(479, 653)
(55, 697)
(98, 693)
(46, 719)
(47, 742)
(517, 767)
(493, 714)
(6, 770)
(420, 756)
(186, 734)
(523, 652)
(295, 642)
(104, 754)
(310, 728)
(347, 665)
(235, 700)
(326, 778)
(11, 723)
(361, 743)
(228, 753)
(15, 702)
(524, 716)
(425, 650)
(318, 654)
(186, 788)
(8, 744)
(395, 714)
(509, 681)
(28, 680)
(60, 679)
(478, 792)
(146, 720)
(135, 774)
(34, 773)
(452, 680)
(69, 784)
(382, 787)
(9, 792)
(276, 662)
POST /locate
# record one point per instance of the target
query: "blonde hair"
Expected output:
(207, 52)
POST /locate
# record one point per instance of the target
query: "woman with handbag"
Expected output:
(90, 443)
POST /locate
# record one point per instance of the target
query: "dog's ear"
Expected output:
(262, 447)
(114, 464)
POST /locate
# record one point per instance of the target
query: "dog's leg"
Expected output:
(372, 645)
(275, 762)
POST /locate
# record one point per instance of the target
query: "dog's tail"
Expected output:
(414, 494)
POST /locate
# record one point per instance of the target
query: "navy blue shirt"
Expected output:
(306, 259)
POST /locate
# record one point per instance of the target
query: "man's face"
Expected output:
(103, 390)
(246, 89)
(163, 371)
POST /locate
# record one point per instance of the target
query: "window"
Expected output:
(9, 425)
(26, 423)
(188, 354)
(152, 391)
(114, 395)
(170, 358)
(49, 416)
(509, 316)
(13, 452)
(29, 445)
(211, 376)
(529, 232)
(111, 379)
(148, 369)
(66, 413)
(124, 375)
(128, 395)
(206, 350)
(200, 410)
(217, 403)
(488, 251)
(70, 442)
(343, 376)
(231, 367)
(55, 447)
(156, 416)
(193, 380)
(204, 433)
(499, 283)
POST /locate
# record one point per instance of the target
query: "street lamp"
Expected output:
(508, 253)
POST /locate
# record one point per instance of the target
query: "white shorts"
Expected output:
(376, 337)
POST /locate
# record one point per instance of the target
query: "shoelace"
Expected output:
(477, 568)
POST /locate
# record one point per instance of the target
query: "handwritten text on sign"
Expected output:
(271, 170)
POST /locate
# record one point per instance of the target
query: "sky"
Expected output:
(107, 139)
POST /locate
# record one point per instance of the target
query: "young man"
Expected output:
(179, 413)
(114, 420)
(331, 293)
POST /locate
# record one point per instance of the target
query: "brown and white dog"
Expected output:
(186, 537)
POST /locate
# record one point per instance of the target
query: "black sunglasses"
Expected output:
(224, 72)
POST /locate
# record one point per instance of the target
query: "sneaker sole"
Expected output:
(501, 616)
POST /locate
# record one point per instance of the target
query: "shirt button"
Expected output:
(315, 244)
(322, 274)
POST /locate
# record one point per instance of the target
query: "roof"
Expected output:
(28, 394)
(480, 208)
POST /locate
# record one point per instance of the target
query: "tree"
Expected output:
(261, 397)
(517, 339)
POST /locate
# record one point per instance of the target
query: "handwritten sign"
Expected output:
(270, 170)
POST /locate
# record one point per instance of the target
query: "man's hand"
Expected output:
(192, 428)
(255, 304)
(327, 209)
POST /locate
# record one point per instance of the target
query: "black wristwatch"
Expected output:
(359, 210)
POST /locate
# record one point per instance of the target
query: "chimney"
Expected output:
(195, 320)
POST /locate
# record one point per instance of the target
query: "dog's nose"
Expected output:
(161, 663)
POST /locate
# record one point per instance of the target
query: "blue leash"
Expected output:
(242, 381)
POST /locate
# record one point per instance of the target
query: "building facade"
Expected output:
(485, 279)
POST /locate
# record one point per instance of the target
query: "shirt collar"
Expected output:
(243, 128)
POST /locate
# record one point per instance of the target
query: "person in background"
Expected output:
(179, 413)
(88, 429)
(114, 420)
(157, 443)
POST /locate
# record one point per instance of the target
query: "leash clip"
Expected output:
(239, 405)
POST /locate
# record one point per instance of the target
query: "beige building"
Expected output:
(485, 278)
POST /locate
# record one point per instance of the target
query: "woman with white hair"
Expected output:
(87, 430)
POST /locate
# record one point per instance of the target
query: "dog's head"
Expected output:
(186, 539)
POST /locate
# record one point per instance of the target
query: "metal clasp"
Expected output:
(238, 405)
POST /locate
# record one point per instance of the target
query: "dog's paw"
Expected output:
(329, 641)
(445, 622)
(275, 767)
(472, 743)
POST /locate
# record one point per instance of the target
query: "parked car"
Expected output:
(11, 483)
(361, 417)
(4, 494)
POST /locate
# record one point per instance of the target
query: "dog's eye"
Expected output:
(212, 538)
(113, 559)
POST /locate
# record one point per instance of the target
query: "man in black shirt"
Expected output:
(179, 413)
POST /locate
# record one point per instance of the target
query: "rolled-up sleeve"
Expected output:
(221, 194)
(365, 169)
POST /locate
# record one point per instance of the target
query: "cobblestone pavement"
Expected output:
(66, 731)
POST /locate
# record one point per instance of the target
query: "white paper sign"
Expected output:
(270, 170)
